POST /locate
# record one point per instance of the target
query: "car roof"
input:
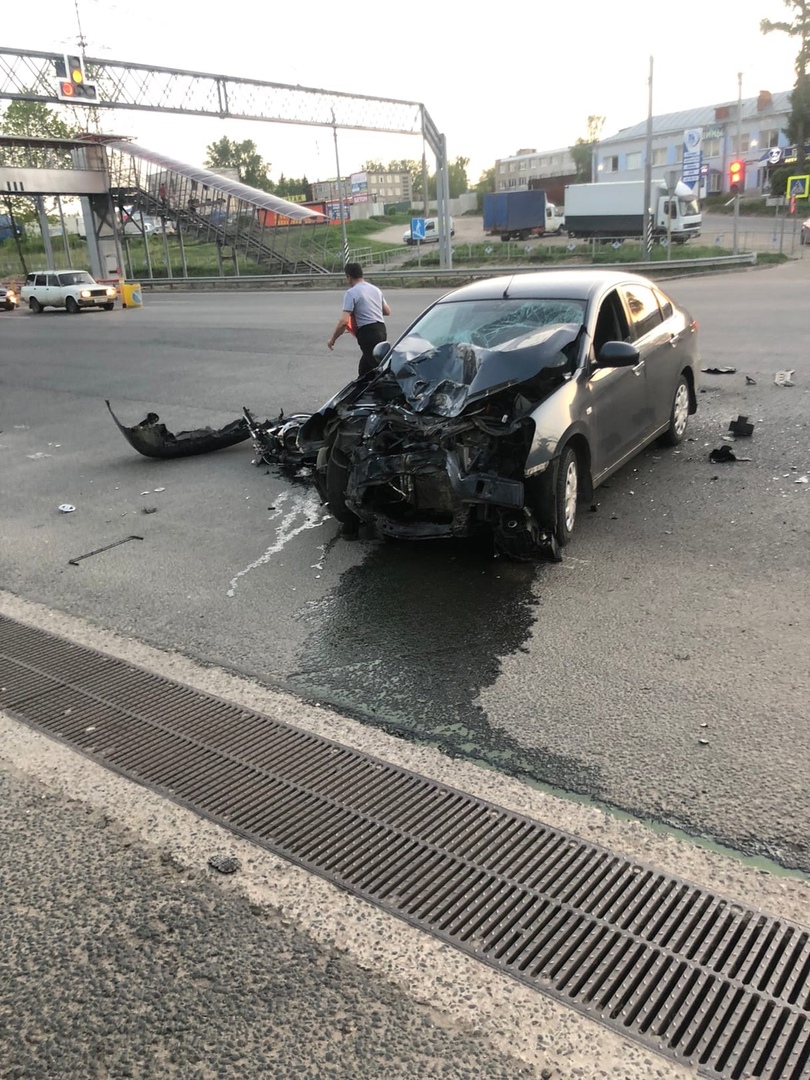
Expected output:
(552, 284)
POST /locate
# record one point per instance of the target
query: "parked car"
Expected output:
(503, 405)
(73, 290)
(804, 235)
(165, 227)
(8, 298)
(431, 232)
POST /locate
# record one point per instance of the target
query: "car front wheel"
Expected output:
(337, 478)
(566, 492)
(71, 306)
(679, 415)
(35, 305)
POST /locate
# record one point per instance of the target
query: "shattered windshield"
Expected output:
(76, 277)
(460, 351)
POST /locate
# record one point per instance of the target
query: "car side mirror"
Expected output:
(381, 350)
(618, 354)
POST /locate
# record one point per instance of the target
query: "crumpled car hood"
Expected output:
(445, 379)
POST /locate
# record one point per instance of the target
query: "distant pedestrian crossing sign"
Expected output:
(417, 228)
(798, 187)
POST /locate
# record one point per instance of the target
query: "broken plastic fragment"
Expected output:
(719, 370)
(749, 381)
(784, 378)
(67, 508)
(721, 454)
(741, 426)
(153, 439)
(802, 480)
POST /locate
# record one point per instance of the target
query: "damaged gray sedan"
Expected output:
(502, 406)
(505, 403)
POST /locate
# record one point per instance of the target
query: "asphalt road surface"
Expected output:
(661, 668)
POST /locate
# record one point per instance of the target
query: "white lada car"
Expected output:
(70, 289)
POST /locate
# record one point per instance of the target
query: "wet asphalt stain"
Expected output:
(408, 640)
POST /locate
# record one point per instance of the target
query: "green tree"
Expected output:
(583, 150)
(242, 156)
(798, 126)
(457, 177)
(373, 165)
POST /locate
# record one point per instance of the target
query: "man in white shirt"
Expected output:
(364, 307)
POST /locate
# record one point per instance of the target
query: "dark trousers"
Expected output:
(367, 337)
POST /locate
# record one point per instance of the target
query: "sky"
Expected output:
(494, 78)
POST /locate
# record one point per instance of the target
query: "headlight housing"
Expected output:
(111, 291)
(85, 294)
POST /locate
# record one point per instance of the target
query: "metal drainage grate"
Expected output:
(679, 968)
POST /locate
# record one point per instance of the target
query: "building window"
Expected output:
(611, 164)
(659, 156)
(769, 138)
(715, 184)
(745, 143)
(523, 166)
(634, 161)
(711, 148)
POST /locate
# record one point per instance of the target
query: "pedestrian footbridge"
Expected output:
(145, 215)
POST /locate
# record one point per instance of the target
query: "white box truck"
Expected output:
(616, 210)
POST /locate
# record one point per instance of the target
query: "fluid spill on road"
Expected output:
(411, 636)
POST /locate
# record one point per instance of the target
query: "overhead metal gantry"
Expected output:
(26, 75)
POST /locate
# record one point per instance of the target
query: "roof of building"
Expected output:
(705, 116)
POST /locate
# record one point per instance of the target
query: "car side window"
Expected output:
(645, 313)
(31, 279)
(53, 280)
(611, 322)
(41, 279)
(664, 303)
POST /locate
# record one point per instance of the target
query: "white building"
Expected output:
(762, 133)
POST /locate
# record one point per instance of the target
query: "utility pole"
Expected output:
(735, 247)
(647, 239)
(340, 195)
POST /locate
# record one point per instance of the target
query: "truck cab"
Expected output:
(555, 219)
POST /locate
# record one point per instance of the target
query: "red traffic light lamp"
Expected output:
(736, 177)
(72, 85)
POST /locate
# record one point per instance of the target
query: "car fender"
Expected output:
(556, 420)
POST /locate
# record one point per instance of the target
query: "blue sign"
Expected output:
(417, 228)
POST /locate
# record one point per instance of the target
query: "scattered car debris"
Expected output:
(722, 454)
(749, 381)
(784, 378)
(225, 864)
(153, 439)
(802, 480)
(78, 559)
(66, 508)
(478, 421)
(703, 742)
(719, 370)
(149, 510)
(741, 426)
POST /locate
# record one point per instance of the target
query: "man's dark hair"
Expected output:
(353, 270)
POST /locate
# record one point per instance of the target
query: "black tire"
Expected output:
(566, 491)
(71, 306)
(337, 477)
(35, 306)
(679, 414)
(108, 307)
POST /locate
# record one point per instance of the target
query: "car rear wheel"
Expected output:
(71, 306)
(35, 305)
(679, 415)
(566, 492)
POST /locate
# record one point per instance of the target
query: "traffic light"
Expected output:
(736, 177)
(71, 85)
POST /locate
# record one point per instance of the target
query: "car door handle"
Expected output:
(639, 368)
(674, 339)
